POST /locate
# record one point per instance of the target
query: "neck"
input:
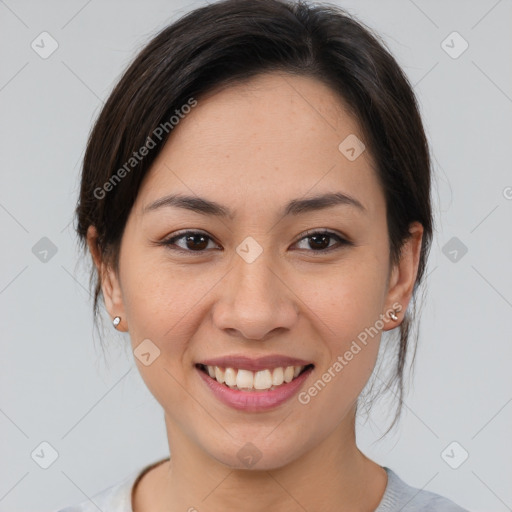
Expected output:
(334, 476)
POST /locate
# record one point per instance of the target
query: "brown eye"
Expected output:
(189, 241)
(320, 241)
(196, 241)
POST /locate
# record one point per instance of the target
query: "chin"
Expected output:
(257, 456)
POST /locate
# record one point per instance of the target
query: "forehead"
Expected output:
(276, 135)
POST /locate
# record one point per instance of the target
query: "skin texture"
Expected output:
(253, 147)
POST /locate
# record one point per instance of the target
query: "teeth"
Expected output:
(263, 379)
(288, 374)
(245, 379)
(230, 377)
(277, 376)
(219, 375)
(250, 381)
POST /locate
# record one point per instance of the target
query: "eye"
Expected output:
(319, 241)
(191, 241)
(197, 241)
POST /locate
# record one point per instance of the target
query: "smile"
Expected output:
(240, 379)
(254, 385)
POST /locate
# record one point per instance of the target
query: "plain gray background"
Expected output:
(56, 386)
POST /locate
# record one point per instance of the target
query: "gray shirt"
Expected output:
(398, 497)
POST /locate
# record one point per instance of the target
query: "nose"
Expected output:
(256, 302)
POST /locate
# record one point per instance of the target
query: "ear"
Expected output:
(109, 280)
(403, 276)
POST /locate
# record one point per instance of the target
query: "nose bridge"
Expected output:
(254, 279)
(253, 266)
(254, 282)
(254, 300)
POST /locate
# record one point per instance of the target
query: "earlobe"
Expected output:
(110, 287)
(403, 276)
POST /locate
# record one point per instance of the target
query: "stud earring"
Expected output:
(393, 315)
(116, 321)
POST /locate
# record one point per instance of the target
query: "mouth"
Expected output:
(248, 381)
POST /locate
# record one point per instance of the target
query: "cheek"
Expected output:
(348, 298)
(163, 306)
(158, 301)
(167, 303)
(345, 307)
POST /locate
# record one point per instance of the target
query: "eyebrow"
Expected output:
(294, 207)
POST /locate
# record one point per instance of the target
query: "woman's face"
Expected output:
(260, 279)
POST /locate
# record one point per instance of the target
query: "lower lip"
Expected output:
(252, 401)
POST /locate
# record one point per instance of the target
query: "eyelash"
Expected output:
(170, 242)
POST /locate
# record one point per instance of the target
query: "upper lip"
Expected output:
(254, 364)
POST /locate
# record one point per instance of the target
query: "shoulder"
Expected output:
(401, 496)
(115, 498)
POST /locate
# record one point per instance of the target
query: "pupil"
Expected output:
(323, 239)
(191, 242)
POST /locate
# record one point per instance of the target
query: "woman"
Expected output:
(255, 196)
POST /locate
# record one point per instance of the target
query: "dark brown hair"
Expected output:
(229, 42)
